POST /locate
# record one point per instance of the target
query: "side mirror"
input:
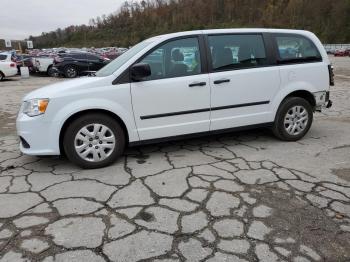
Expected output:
(140, 71)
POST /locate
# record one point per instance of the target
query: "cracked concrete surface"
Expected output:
(235, 197)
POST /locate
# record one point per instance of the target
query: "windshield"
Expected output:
(121, 60)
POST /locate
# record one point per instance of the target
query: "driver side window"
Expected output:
(175, 59)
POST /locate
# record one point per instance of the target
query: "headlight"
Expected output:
(35, 107)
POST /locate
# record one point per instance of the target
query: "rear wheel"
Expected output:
(2, 76)
(94, 141)
(70, 71)
(293, 120)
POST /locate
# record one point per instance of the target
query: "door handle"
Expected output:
(221, 81)
(197, 84)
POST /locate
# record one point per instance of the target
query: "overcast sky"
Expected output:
(19, 19)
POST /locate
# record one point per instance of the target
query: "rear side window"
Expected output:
(230, 52)
(80, 56)
(76, 56)
(3, 57)
(296, 48)
(92, 57)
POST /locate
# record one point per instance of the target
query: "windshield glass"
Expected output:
(121, 60)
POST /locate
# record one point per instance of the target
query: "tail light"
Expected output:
(12, 65)
(331, 75)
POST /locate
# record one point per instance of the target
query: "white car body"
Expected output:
(42, 64)
(140, 105)
(7, 67)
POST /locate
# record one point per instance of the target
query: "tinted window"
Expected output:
(3, 57)
(237, 51)
(92, 57)
(75, 55)
(295, 47)
(175, 59)
(80, 56)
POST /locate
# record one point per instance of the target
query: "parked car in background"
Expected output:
(44, 65)
(233, 79)
(72, 65)
(341, 52)
(24, 60)
(8, 66)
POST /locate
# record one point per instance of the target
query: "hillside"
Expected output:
(329, 19)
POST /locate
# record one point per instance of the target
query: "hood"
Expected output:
(65, 87)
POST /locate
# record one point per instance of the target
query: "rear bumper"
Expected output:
(322, 100)
(10, 72)
(329, 104)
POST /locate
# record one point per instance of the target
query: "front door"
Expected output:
(175, 99)
(242, 81)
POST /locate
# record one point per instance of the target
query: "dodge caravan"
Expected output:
(176, 85)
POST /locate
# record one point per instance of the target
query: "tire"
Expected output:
(70, 71)
(51, 72)
(2, 77)
(92, 152)
(293, 120)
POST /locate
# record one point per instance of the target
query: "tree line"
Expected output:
(136, 21)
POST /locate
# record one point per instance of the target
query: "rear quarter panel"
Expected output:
(312, 77)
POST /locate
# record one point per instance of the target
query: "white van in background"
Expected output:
(178, 85)
(43, 65)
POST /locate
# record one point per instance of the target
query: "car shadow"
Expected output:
(142, 152)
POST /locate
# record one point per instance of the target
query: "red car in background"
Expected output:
(342, 52)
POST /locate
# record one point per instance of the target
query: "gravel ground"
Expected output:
(236, 197)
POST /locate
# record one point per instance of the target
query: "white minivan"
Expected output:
(177, 85)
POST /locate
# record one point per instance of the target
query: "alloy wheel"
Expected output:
(71, 72)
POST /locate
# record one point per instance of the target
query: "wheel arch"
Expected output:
(89, 111)
(48, 68)
(306, 93)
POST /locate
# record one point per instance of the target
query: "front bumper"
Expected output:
(37, 136)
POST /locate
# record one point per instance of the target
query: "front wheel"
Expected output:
(2, 77)
(293, 120)
(94, 141)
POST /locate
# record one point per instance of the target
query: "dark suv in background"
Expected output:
(72, 65)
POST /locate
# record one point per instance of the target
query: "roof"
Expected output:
(231, 30)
